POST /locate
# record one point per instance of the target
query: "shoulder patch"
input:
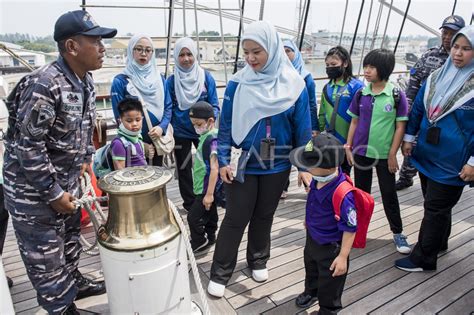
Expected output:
(352, 217)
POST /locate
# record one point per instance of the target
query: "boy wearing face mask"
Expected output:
(202, 217)
(328, 241)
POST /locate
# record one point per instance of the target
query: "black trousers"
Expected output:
(202, 222)
(254, 202)
(439, 202)
(363, 180)
(184, 164)
(3, 221)
(319, 280)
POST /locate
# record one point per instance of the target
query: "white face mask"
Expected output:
(201, 129)
(128, 132)
(325, 179)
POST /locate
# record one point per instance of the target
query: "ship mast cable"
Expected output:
(14, 55)
(357, 27)
(83, 5)
(386, 24)
(365, 37)
(184, 23)
(417, 22)
(262, 9)
(454, 7)
(197, 31)
(377, 25)
(168, 40)
(344, 22)
(306, 13)
(401, 27)
(224, 57)
(241, 24)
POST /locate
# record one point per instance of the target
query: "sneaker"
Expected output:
(211, 238)
(284, 195)
(202, 247)
(216, 289)
(10, 282)
(71, 310)
(305, 300)
(260, 275)
(403, 184)
(87, 287)
(405, 264)
(401, 243)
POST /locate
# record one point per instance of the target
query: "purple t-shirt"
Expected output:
(320, 220)
(119, 153)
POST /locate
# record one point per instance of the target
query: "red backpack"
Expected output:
(364, 204)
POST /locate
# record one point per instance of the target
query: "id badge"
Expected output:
(235, 154)
(267, 149)
(432, 135)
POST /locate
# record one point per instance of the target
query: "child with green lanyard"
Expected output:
(375, 134)
(202, 217)
(337, 95)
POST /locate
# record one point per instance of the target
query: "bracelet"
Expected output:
(346, 146)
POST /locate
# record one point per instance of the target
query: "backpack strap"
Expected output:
(339, 194)
(131, 151)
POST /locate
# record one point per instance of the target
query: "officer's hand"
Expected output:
(305, 179)
(407, 148)
(86, 167)
(226, 174)
(64, 204)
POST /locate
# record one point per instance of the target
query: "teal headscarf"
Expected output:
(445, 84)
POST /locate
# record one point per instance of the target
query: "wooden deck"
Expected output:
(373, 284)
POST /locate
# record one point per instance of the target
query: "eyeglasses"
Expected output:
(142, 50)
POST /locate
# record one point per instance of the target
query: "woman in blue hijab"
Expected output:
(264, 115)
(442, 117)
(297, 61)
(141, 78)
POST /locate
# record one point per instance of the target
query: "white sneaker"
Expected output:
(215, 289)
(260, 275)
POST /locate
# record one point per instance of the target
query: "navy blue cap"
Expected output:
(454, 22)
(202, 110)
(79, 22)
(322, 151)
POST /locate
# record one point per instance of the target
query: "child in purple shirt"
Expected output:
(127, 148)
(376, 132)
(328, 241)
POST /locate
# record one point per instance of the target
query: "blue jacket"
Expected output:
(183, 128)
(118, 91)
(291, 129)
(442, 162)
(313, 103)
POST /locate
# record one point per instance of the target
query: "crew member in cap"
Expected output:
(328, 241)
(48, 147)
(431, 60)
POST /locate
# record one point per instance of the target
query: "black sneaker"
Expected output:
(88, 287)
(403, 184)
(212, 239)
(201, 248)
(10, 282)
(305, 300)
(71, 310)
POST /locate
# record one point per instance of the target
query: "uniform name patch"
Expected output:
(72, 102)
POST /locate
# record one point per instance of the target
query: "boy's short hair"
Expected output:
(201, 110)
(129, 103)
(322, 151)
(383, 60)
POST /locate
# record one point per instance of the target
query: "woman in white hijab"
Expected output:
(141, 78)
(188, 85)
(265, 113)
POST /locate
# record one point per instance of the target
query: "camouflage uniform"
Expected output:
(431, 60)
(49, 138)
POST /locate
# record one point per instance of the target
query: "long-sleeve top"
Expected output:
(49, 138)
(442, 162)
(291, 128)
(313, 102)
(120, 89)
(183, 128)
